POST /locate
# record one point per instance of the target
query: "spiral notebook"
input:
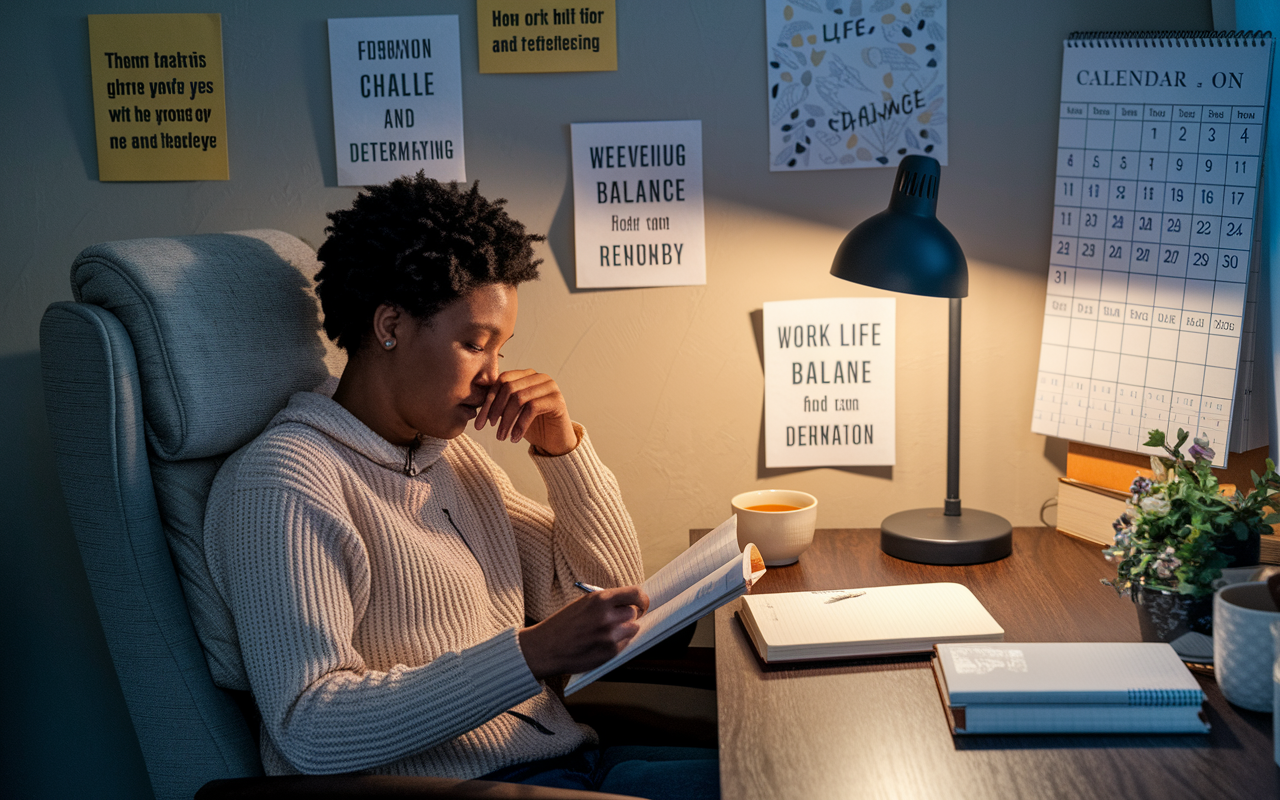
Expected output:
(1067, 687)
(1151, 283)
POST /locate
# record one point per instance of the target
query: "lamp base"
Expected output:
(927, 536)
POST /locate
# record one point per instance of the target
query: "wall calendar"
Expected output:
(1159, 157)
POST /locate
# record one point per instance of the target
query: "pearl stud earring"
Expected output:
(390, 343)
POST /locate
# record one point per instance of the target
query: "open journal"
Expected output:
(698, 581)
(854, 623)
(1068, 687)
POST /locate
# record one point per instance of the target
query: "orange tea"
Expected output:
(773, 507)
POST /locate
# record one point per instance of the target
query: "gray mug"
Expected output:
(1244, 653)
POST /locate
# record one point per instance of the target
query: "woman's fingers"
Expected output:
(528, 404)
(525, 406)
(496, 398)
(585, 633)
(632, 596)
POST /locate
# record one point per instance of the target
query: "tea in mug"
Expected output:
(773, 507)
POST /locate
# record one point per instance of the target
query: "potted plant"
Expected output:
(1179, 532)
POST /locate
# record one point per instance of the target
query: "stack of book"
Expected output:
(1076, 687)
(1092, 494)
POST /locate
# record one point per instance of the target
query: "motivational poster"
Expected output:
(829, 382)
(397, 98)
(159, 102)
(855, 84)
(537, 36)
(637, 204)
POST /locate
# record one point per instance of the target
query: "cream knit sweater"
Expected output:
(377, 611)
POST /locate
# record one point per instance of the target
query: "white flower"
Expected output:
(1157, 466)
(1167, 563)
(1157, 505)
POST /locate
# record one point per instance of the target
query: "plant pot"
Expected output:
(1246, 553)
(1166, 616)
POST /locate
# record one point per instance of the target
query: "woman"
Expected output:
(381, 569)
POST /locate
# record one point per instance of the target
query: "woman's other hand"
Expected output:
(526, 404)
(584, 634)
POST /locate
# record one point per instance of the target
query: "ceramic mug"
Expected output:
(1243, 649)
(1275, 697)
(782, 533)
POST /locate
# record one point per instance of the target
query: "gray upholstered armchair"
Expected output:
(177, 352)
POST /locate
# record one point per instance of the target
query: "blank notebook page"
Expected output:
(882, 614)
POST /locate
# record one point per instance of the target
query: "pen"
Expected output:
(844, 596)
(586, 587)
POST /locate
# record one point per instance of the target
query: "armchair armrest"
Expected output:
(378, 787)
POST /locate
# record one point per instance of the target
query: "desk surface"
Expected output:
(876, 728)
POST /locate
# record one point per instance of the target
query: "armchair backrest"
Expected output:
(177, 352)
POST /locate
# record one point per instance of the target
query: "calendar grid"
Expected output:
(1153, 223)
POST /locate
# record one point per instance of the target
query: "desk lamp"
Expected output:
(906, 249)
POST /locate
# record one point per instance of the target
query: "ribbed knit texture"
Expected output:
(374, 636)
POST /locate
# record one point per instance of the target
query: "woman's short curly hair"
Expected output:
(417, 244)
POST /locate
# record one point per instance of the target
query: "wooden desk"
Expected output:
(876, 728)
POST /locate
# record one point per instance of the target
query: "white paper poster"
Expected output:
(855, 84)
(637, 204)
(397, 98)
(829, 382)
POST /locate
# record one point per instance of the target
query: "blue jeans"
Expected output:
(657, 773)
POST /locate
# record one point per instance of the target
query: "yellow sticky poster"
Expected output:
(547, 36)
(159, 105)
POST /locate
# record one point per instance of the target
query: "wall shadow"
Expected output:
(67, 49)
(560, 236)
(1055, 452)
(314, 47)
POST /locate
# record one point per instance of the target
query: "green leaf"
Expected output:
(1155, 438)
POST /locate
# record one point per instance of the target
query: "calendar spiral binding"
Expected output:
(1170, 39)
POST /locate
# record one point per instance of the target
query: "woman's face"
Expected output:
(444, 368)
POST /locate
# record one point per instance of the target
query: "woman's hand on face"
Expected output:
(525, 404)
(585, 633)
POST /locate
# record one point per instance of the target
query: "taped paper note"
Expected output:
(159, 103)
(397, 98)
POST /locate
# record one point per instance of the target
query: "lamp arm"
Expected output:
(951, 507)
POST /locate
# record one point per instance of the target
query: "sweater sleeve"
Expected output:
(295, 575)
(586, 535)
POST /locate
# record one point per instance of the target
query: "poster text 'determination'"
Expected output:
(829, 382)
(397, 98)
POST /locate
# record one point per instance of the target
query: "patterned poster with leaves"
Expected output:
(855, 83)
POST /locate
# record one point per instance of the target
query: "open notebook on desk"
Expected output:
(854, 623)
(698, 581)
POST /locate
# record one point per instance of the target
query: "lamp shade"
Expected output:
(905, 248)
